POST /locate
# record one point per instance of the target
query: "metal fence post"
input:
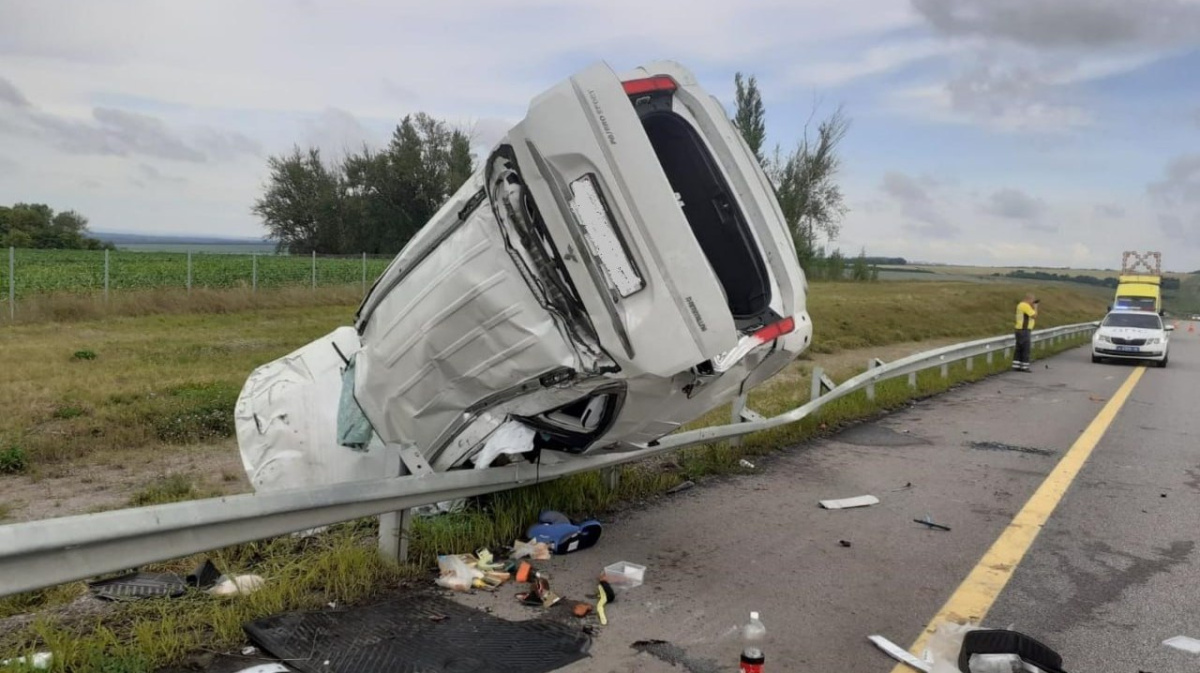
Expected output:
(189, 272)
(971, 364)
(106, 275)
(394, 527)
(871, 386)
(817, 373)
(254, 272)
(989, 358)
(735, 416)
(314, 269)
(912, 380)
(12, 283)
(364, 265)
(946, 370)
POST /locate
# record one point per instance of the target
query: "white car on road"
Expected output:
(1132, 335)
(617, 267)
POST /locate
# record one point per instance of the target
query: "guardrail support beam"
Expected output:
(912, 380)
(394, 527)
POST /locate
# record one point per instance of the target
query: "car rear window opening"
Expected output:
(712, 211)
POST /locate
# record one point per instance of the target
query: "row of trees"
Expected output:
(372, 201)
(36, 225)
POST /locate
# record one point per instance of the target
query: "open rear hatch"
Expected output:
(645, 274)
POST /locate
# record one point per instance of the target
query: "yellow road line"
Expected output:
(975, 596)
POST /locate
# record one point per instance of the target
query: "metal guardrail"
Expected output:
(44, 553)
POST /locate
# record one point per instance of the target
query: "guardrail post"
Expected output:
(364, 270)
(735, 416)
(820, 383)
(611, 477)
(971, 364)
(912, 380)
(945, 370)
(394, 527)
(989, 357)
(872, 364)
(314, 269)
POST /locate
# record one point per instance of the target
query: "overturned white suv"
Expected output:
(617, 267)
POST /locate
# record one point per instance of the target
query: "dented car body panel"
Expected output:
(617, 266)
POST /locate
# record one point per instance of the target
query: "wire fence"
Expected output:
(29, 273)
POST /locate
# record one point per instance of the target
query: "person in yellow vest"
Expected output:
(1027, 312)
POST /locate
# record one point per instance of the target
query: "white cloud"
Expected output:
(877, 60)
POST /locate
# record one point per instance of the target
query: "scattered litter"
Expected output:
(39, 661)
(267, 668)
(681, 487)
(604, 596)
(1184, 643)
(928, 521)
(905, 487)
(581, 610)
(537, 551)
(624, 575)
(241, 585)
(513, 437)
(399, 634)
(746, 464)
(562, 536)
(1096, 399)
(136, 586)
(844, 543)
(249, 651)
(1162, 495)
(539, 588)
(899, 654)
(457, 573)
(1000, 446)
(849, 503)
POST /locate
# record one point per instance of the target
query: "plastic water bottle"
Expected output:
(754, 638)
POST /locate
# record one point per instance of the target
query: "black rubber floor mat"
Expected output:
(133, 586)
(416, 634)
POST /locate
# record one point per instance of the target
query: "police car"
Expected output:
(1130, 334)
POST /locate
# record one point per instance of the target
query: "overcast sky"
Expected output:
(1056, 132)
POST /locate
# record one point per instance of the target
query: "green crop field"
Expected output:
(56, 271)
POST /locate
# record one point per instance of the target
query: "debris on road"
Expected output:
(746, 464)
(604, 596)
(240, 585)
(267, 668)
(1095, 398)
(676, 656)
(624, 575)
(561, 536)
(1183, 643)
(475, 641)
(849, 503)
(138, 585)
(681, 487)
(249, 651)
(928, 521)
(844, 543)
(536, 551)
(900, 654)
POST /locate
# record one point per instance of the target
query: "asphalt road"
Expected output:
(1112, 574)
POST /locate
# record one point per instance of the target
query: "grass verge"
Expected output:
(342, 566)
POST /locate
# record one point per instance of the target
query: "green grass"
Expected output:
(13, 460)
(52, 271)
(343, 566)
(169, 488)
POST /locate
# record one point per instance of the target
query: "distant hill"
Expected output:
(159, 239)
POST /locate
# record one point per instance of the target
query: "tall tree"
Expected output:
(806, 184)
(373, 201)
(36, 225)
(302, 206)
(751, 116)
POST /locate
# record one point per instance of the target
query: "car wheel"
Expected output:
(1163, 363)
(1096, 358)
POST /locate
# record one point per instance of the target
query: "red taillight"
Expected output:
(776, 330)
(636, 87)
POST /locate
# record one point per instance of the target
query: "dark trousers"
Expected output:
(1024, 348)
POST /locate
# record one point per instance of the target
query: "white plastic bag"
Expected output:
(511, 438)
(945, 645)
(456, 574)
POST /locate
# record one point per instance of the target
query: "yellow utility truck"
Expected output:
(1139, 287)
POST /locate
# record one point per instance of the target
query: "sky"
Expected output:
(996, 132)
